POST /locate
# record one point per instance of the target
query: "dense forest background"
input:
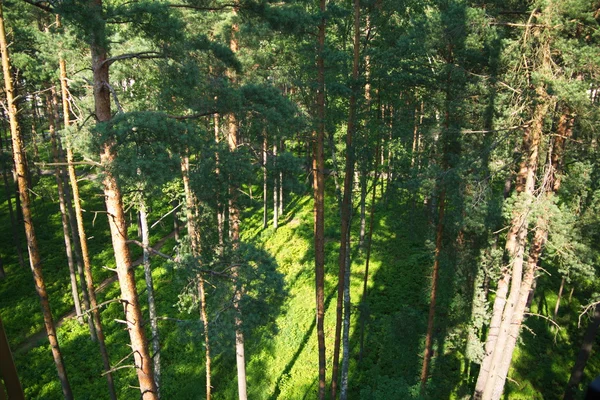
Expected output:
(367, 199)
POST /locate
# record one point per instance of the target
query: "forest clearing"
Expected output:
(258, 199)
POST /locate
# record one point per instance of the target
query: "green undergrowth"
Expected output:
(281, 353)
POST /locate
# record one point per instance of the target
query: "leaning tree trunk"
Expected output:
(515, 245)
(116, 215)
(8, 370)
(34, 255)
(549, 186)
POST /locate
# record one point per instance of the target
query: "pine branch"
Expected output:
(43, 5)
(193, 116)
(205, 8)
(141, 55)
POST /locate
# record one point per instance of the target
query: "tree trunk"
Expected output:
(275, 189)
(549, 185)
(515, 242)
(264, 168)
(583, 355)
(89, 291)
(150, 291)
(515, 245)
(343, 299)
(281, 149)
(194, 236)
(319, 201)
(63, 211)
(116, 216)
(34, 255)
(560, 291)
(434, 283)
(8, 370)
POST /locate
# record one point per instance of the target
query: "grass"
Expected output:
(282, 352)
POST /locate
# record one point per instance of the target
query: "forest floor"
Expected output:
(40, 337)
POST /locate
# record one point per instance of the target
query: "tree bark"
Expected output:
(8, 370)
(434, 282)
(515, 245)
(116, 216)
(89, 291)
(194, 236)
(343, 299)
(34, 255)
(150, 291)
(264, 168)
(275, 189)
(58, 173)
(319, 201)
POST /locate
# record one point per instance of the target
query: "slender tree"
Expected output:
(34, 255)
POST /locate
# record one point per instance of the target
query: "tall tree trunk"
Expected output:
(433, 296)
(63, 211)
(150, 291)
(319, 200)
(264, 168)
(234, 229)
(32, 246)
(8, 370)
(583, 355)
(549, 185)
(512, 275)
(95, 330)
(275, 189)
(280, 202)
(72, 218)
(343, 299)
(194, 235)
(116, 216)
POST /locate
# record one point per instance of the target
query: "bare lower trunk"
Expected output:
(194, 236)
(319, 202)
(32, 246)
(503, 308)
(560, 291)
(275, 190)
(63, 213)
(150, 292)
(434, 283)
(363, 208)
(520, 308)
(264, 168)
